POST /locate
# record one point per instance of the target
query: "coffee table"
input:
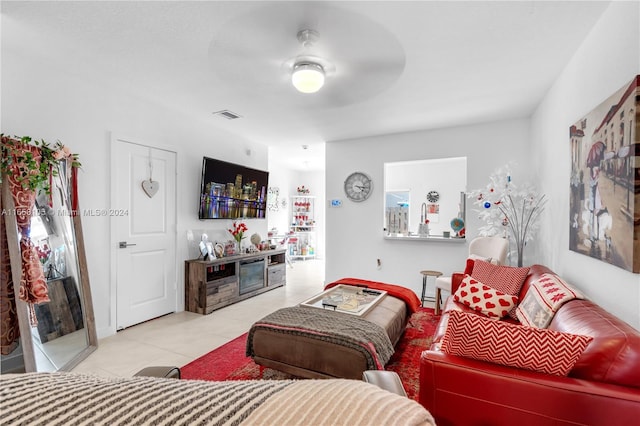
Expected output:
(347, 299)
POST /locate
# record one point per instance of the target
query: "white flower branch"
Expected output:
(504, 206)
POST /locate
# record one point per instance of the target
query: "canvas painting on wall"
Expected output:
(605, 181)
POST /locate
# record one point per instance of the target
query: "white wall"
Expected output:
(607, 60)
(281, 178)
(43, 96)
(354, 239)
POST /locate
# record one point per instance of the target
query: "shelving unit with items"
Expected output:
(303, 240)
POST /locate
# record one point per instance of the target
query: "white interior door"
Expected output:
(145, 226)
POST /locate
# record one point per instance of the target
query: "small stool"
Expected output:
(425, 276)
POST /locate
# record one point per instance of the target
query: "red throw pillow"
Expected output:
(543, 299)
(484, 299)
(506, 279)
(542, 350)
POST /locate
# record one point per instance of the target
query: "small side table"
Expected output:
(425, 277)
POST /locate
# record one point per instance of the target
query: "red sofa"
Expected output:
(603, 388)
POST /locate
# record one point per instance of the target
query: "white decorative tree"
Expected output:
(509, 210)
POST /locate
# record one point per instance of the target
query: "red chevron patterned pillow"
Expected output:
(483, 298)
(543, 299)
(538, 349)
(506, 279)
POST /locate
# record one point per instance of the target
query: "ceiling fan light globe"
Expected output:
(307, 77)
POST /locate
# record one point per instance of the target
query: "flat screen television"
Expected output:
(232, 191)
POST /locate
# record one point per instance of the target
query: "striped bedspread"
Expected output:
(74, 399)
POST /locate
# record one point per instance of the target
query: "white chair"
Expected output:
(490, 249)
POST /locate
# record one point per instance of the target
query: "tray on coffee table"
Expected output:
(347, 299)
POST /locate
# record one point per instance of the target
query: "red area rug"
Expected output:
(229, 362)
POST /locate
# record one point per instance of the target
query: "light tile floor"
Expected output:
(179, 338)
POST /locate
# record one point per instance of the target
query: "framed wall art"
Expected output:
(604, 217)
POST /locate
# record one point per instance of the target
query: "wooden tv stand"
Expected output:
(213, 284)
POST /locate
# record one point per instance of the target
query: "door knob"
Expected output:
(123, 244)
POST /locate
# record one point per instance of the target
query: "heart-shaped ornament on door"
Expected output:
(150, 187)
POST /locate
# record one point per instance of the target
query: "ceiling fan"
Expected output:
(308, 72)
(311, 45)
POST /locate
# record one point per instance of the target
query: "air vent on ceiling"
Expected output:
(229, 115)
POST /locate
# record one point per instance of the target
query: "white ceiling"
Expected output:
(399, 66)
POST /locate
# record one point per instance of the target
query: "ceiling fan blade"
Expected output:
(256, 51)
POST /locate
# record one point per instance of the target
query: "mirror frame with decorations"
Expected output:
(84, 288)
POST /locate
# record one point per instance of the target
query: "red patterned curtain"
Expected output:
(33, 285)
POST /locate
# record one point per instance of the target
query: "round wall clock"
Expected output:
(358, 186)
(433, 196)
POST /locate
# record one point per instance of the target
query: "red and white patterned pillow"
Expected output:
(543, 299)
(506, 279)
(483, 298)
(542, 350)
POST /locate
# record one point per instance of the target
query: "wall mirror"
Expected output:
(424, 190)
(65, 333)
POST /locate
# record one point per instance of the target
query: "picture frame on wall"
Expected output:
(604, 220)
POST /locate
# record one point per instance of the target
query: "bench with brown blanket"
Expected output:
(313, 343)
